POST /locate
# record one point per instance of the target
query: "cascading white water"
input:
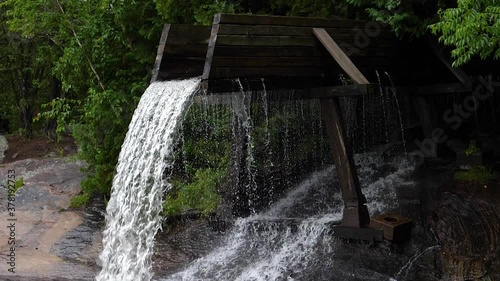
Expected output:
(133, 210)
(289, 241)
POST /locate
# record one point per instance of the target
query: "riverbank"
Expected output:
(52, 242)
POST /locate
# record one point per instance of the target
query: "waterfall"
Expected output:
(133, 211)
(290, 240)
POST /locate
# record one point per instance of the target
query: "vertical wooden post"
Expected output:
(355, 211)
(425, 115)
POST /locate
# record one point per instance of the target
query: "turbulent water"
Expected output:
(291, 241)
(132, 218)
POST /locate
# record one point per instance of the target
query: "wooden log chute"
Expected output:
(286, 53)
(274, 48)
(181, 52)
(286, 47)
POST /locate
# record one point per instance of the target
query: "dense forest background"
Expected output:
(72, 67)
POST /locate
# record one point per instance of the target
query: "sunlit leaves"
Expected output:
(473, 29)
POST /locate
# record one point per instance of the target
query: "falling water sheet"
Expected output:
(133, 211)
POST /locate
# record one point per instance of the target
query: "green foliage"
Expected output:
(472, 149)
(200, 195)
(205, 13)
(18, 184)
(101, 52)
(79, 201)
(403, 17)
(62, 110)
(100, 134)
(192, 11)
(105, 50)
(308, 8)
(472, 28)
(202, 160)
(25, 64)
(480, 174)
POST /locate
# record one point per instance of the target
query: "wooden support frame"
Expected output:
(355, 211)
(220, 97)
(159, 53)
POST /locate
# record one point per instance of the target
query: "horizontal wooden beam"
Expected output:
(242, 72)
(278, 40)
(311, 93)
(443, 89)
(342, 91)
(389, 51)
(274, 85)
(295, 62)
(252, 40)
(186, 50)
(276, 61)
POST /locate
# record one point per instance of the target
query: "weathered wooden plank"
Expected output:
(373, 63)
(162, 76)
(287, 21)
(340, 56)
(276, 61)
(267, 30)
(211, 47)
(177, 59)
(297, 51)
(186, 50)
(182, 34)
(240, 72)
(199, 39)
(254, 40)
(190, 30)
(195, 68)
(267, 51)
(159, 52)
(298, 41)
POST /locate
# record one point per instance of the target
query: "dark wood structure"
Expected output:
(310, 53)
(283, 50)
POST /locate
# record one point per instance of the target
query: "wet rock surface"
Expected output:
(468, 228)
(52, 242)
(456, 237)
(456, 234)
(3, 147)
(182, 243)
